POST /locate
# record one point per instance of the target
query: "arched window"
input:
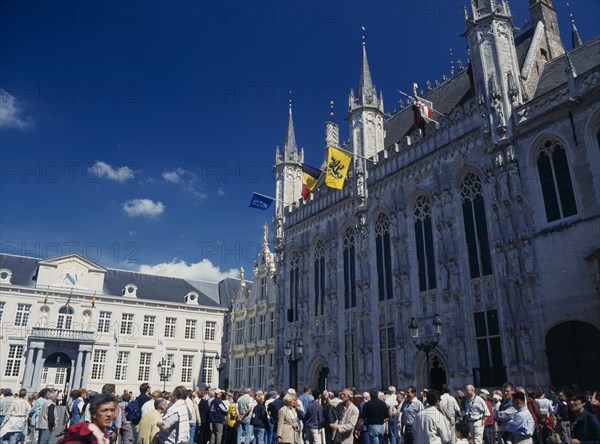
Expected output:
(319, 277)
(555, 179)
(424, 241)
(384, 257)
(294, 286)
(65, 318)
(349, 269)
(475, 226)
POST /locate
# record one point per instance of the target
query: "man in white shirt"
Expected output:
(450, 409)
(475, 412)
(392, 404)
(430, 425)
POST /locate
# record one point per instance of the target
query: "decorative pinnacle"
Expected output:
(363, 34)
(331, 109)
(451, 62)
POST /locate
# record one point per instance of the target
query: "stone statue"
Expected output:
(266, 234)
(86, 319)
(528, 258)
(500, 121)
(503, 181)
(485, 122)
(243, 281)
(501, 263)
(454, 278)
(405, 287)
(448, 212)
(360, 187)
(460, 352)
(526, 347)
(43, 318)
(513, 260)
(515, 179)
(443, 277)
(491, 185)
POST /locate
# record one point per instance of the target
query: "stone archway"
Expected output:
(56, 372)
(573, 350)
(437, 372)
(318, 375)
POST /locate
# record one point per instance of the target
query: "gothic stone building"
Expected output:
(490, 219)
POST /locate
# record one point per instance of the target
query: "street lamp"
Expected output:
(221, 367)
(293, 350)
(165, 370)
(428, 345)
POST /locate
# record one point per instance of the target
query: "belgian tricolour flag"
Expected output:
(310, 177)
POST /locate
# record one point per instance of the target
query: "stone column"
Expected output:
(78, 366)
(37, 371)
(29, 368)
(86, 368)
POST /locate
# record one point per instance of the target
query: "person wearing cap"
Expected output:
(475, 412)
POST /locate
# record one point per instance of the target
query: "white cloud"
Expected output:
(204, 270)
(143, 207)
(103, 170)
(11, 113)
(186, 180)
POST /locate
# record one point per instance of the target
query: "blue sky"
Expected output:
(134, 132)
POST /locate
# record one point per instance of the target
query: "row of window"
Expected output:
(256, 328)
(252, 372)
(127, 325)
(559, 202)
(98, 371)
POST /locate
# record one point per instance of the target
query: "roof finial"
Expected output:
(451, 62)
(363, 34)
(576, 39)
(331, 109)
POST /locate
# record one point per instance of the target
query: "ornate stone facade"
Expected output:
(489, 218)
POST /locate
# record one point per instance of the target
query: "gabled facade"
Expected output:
(251, 347)
(490, 219)
(68, 323)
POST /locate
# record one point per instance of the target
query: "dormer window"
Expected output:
(5, 276)
(130, 290)
(191, 298)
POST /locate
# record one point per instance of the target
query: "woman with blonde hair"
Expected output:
(287, 422)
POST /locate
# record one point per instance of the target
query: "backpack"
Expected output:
(133, 412)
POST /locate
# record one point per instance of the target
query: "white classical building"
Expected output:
(489, 219)
(68, 322)
(251, 346)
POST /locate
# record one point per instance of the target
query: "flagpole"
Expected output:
(355, 155)
(416, 99)
(268, 197)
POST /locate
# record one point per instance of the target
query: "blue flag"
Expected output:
(260, 201)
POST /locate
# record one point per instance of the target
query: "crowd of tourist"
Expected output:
(213, 416)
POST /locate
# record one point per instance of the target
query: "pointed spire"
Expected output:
(290, 148)
(365, 84)
(576, 39)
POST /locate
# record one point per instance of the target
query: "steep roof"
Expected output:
(156, 288)
(584, 58)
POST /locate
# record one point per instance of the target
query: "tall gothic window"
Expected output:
(387, 348)
(475, 226)
(319, 277)
(384, 257)
(555, 178)
(424, 241)
(349, 269)
(294, 286)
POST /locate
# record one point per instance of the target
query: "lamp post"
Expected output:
(221, 366)
(428, 345)
(293, 350)
(165, 370)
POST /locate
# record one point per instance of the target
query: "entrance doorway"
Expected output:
(573, 350)
(437, 373)
(56, 373)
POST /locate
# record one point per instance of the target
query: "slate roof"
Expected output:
(451, 93)
(584, 58)
(523, 42)
(155, 288)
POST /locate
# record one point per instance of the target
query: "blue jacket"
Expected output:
(586, 428)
